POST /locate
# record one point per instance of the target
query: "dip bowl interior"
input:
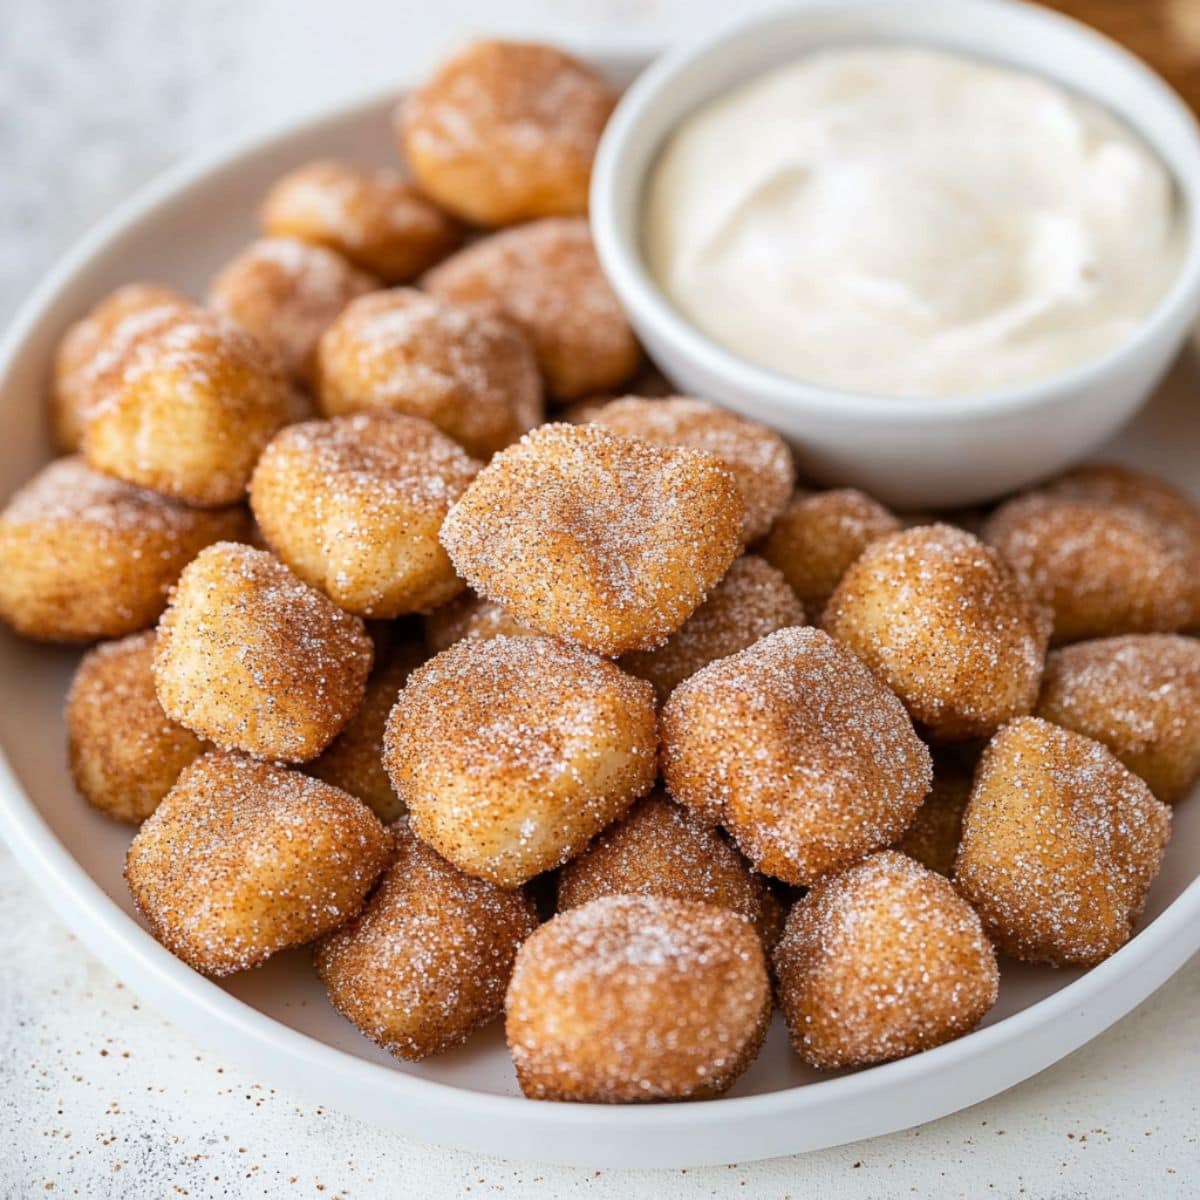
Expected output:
(907, 451)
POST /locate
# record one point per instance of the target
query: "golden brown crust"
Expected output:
(186, 410)
(512, 753)
(751, 601)
(1140, 696)
(1101, 571)
(125, 754)
(354, 506)
(84, 556)
(605, 540)
(819, 535)
(506, 132)
(285, 293)
(353, 761)
(637, 998)
(880, 961)
(1110, 551)
(427, 961)
(1060, 843)
(660, 848)
(371, 215)
(242, 859)
(90, 345)
(470, 373)
(757, 457)
(798, 750)
(252, 658)
(942, 619)
(1175, 514)
(545, 277)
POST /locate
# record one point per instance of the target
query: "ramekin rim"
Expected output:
(627, 271)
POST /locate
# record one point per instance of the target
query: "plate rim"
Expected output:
(437, 1111)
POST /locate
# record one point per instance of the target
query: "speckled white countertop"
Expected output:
(102, 1097)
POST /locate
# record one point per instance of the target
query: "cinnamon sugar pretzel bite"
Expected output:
(354, 506)
(660, 848)
(252, 658)
(85, 556)
(512, 753)
(243, 859)
(285, 293)
(757, 457)
(1060, 844)
(637, 998)
(818, 536)
(880, 961)
(186, 410)
(945, 622)
(93, 343)
(371, 215)
(506, 131)
(546, 279)
(471, 374)
(798, 750)
(607, 541)
(125, 753)
(426, 962)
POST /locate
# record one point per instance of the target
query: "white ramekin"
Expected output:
(907, 451)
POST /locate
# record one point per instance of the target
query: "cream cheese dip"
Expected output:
(910, 222)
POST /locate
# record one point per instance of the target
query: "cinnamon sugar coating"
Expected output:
(285, 293)
(571, 661)
(1060, 844)
(186, 409)
(506, 131)
(125, 753)
(943, 620)
(469, 616)
(371, 215)
(243, 859)
(660, 848)
(470, 373)
(607, 541)
(751, 601)
(1107, 549)
(880, 961)
(818, 536)
(354, 506)
(90, 346)
(637, 998)
(511, 754)
(353, 761)
(798, 750)
(252, 658)
(84, 556)
(1140, 696)
(1175, 514)
(933, 836)
(426, 962)
(545, 278)
(757, 457)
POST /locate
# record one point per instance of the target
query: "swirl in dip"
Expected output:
(910, 222)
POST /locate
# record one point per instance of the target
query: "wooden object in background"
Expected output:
(1166, 33)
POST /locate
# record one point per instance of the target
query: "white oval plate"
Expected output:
(276, 1020)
